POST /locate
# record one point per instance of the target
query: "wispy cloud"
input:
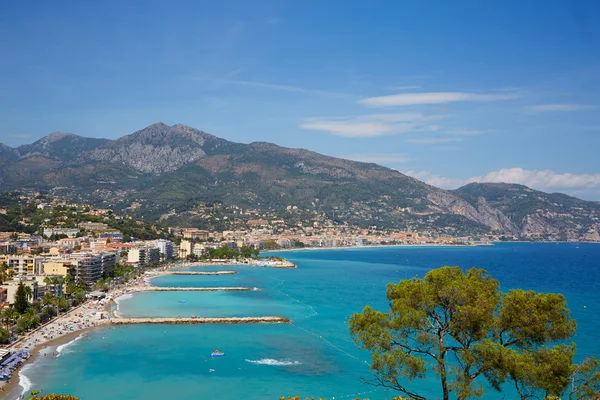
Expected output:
(407, 99)
(558, 108)
(373, 125)
(434, 140)
(466, 132)
(355, 128)
(286, 88)
(378, 158)
(412, 87)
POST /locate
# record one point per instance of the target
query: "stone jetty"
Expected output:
(201, 273)
(193, 289)
(200, 320)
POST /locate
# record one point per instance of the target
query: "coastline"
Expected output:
(62, 330)
(80, 320)
(375, 246)
(13, 386)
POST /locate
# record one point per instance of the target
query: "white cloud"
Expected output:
(355, 129)
(373, 125)
(407, 99)
(558, 107)
(435, 140)
(584, 185)
(436, 180)
(378, 158)
(543, 180)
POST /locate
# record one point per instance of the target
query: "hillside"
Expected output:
(165, 171)
(533, 214)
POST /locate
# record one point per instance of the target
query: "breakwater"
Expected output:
(192, 289)
(200, 320)
(201, 273)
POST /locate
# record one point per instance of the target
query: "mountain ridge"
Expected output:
(167, 168)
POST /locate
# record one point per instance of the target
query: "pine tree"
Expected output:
(21, 303)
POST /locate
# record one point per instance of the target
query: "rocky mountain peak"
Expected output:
(56, 136)
(156, 149)
(59, 146)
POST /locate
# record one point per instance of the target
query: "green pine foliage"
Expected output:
(461, 327)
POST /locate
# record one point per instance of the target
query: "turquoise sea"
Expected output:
(313, 356)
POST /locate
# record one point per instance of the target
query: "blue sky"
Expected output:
(447, 91)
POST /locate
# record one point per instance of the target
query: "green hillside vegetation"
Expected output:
(161, 171)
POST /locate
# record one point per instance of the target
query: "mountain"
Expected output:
(160, 148)
(59, 146)
(163, 170)
(531, 213)
(27, 163)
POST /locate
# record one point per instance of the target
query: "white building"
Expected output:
(143, 255)
(24, 264)
(165, 247)
(70, 232)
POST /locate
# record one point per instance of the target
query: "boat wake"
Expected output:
(61, 349)
(270, 361)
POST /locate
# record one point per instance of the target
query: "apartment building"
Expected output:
(89, 266)
(113, 236)
(186, 248)
(165, 247)
(192, 233)
(58, 267)
(143, 255)
(23, 264)
(93, 226)
(9, 290)
(70, 232)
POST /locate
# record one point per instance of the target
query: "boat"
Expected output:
(217, 353)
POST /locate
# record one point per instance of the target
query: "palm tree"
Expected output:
(29, 292)
(9, 316)
(50, 300)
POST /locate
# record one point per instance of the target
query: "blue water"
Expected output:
(315, 355)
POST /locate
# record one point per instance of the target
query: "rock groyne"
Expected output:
(201, 273)
(200, 320)
(194, 289)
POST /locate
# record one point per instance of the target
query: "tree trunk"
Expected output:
(442, 363)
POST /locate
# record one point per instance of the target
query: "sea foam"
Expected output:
(270, 361)
(118, 303)
(24, 381)
(61, 349)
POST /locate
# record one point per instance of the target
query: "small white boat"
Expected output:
(217, 353)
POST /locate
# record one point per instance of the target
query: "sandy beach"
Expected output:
(84, 317)
(64, 329)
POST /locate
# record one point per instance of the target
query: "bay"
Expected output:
(313, 356)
